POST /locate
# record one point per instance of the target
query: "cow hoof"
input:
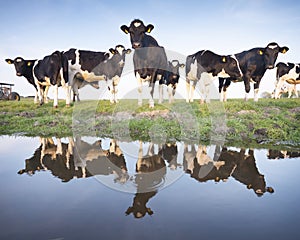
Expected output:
(55, 106)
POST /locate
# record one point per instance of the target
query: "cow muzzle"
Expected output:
(136, 45)
(271, 66)
(18, 74)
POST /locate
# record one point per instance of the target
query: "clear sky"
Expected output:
(36, 28)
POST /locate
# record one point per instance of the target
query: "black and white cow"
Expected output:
(255, 62)
(24, 68)
(50, 71)
(150, 173)
(149, 59)
(212, 65)
(96, 66)
(170, 79)
(287, 72)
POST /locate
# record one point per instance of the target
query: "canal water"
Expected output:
(93, 188)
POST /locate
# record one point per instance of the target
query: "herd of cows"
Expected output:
(76, 68)
(79, 159)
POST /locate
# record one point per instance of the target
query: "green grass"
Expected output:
(265, 122)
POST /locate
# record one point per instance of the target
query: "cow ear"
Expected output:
(223, 59)
(9, 61)
(260, 52)
(182, 65)
(283, 50)
(270, 190)
(112, 50)
(128, 51)
(125, 29)
(149, 28)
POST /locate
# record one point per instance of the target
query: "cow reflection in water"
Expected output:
(96, 161)
(278, 154)
(150, 174)
(77, 159)
(169, 153)
(226, 163)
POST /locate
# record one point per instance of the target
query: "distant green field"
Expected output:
(235, 122)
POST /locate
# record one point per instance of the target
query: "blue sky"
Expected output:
(33, 29)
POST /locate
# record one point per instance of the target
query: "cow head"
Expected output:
(231, 66)
(259, 186)
(21, 65)
(270, 54)
(174, 66)
(118, 54)
(137, 31)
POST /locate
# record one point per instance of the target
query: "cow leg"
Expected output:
(161, 93)
(192, 90)
(45, 94)
(278, 87)
(75, 92)
(247, 87)
(256, 90)
(140, 89)
(115, 82)
(221, 85)
(188, 87)
(203, 90)
(226, 85)
(290, 91)
(40, 93)
(295, 90)
(150, 149)
(36, 97)
(151, 89)
(55, 93)
(170, 93)
(67, 89)
(59, 147)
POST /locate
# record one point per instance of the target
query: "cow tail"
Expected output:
(189, 60)
(277, 73)
(65, 68)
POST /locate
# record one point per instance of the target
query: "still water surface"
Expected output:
(87, 188)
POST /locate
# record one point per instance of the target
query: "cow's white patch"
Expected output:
(192, 74)
(18, 60)
(120, 49)
(256, 94)
(121, 63)
(292, 74)
(238, 64)
(110, 55)
(223, 74)
(174, 63)
(252, 81)
(137, 24)
(91, 77)
(273, 46)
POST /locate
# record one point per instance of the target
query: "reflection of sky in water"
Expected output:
(42, 207)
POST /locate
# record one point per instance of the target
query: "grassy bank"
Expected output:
(237, 122)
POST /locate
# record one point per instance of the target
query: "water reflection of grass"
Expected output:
(265, 121)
